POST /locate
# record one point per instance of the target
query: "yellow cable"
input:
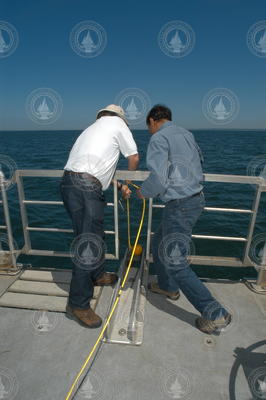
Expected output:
(114, 306)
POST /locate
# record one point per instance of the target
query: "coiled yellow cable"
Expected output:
(69, 394)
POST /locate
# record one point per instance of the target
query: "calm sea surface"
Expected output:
(225, 152)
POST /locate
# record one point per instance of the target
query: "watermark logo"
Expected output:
(44, 106)
(136, 104)
(93, 387)
(176, 384)
(257, 167)
(256, 39)
(5, 251)
(257, 383)
(257, 251)
(220, 106)
(88, 39)
(177, 173)
(175, 249)
(176, 39)
(7, 169)
(87, 251)
(215, 311)
(44, 321)
(8, 39)
(8, 384)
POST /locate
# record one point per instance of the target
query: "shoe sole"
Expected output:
(74, 318)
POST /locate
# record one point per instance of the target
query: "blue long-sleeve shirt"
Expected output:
(174, 160)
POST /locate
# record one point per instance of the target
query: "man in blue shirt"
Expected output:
(174, 160)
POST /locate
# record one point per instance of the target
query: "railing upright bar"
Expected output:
(116, 220)
(23, 211)
(252, 222)
(7, 220)
(148, 243)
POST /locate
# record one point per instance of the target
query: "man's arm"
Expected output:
(133, 162)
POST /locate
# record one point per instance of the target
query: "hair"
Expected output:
(106, 113)
(159, 111)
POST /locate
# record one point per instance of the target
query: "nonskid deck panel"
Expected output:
(175, 361)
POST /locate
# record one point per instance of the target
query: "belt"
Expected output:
(85, 175)
(185, 198)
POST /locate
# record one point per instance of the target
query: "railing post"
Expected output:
(255, 208)
(261, 280)
(116, 220)
(23, 212)
(148, 244)
(7, 220)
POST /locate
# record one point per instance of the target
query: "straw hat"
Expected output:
(116, 109)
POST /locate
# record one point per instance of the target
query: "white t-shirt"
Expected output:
(97, 149)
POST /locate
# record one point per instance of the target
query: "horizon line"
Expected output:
(139, 129)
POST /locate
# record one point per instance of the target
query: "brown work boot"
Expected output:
(106, 279)
(216, 326)
(154, 287)
(87, 318)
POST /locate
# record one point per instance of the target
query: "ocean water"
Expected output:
(225, 152)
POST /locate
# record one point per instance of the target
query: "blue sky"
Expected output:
(132, 59)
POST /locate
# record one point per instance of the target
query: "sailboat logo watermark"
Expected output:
(87, 251)
(257, 383)
(44, 106)
(45, 321)
(176, 384)
(177, 173)
(92, 387)
(176, 39)
(7, 170)
(256, 39)
(8, 39)
(136, 104)
(88, 39)
(257, 251)
(257, 167)
(8, 384)
(220, 106)
(214, 312)
(175, 249)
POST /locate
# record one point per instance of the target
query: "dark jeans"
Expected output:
(171, 246)
(84, 202)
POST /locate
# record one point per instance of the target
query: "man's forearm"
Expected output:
(133, 162)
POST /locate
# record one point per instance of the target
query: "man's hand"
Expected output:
(139, 194)
(126, 192)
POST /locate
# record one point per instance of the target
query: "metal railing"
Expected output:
(133, 176)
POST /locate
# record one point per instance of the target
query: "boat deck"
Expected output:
(175, 361)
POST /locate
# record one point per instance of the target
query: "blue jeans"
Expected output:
(171, 246)
(84, 202)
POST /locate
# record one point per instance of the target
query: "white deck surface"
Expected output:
(175, 361)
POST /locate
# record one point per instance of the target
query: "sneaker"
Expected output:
(106, 279)
(154, 287)
(208, 326)
(87, 318)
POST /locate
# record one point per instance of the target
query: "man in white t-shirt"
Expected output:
(88, 172)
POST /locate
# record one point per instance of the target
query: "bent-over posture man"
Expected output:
(174, 161)
(88, 172)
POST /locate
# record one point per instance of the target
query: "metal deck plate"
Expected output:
(127, 323)
(42, 290)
